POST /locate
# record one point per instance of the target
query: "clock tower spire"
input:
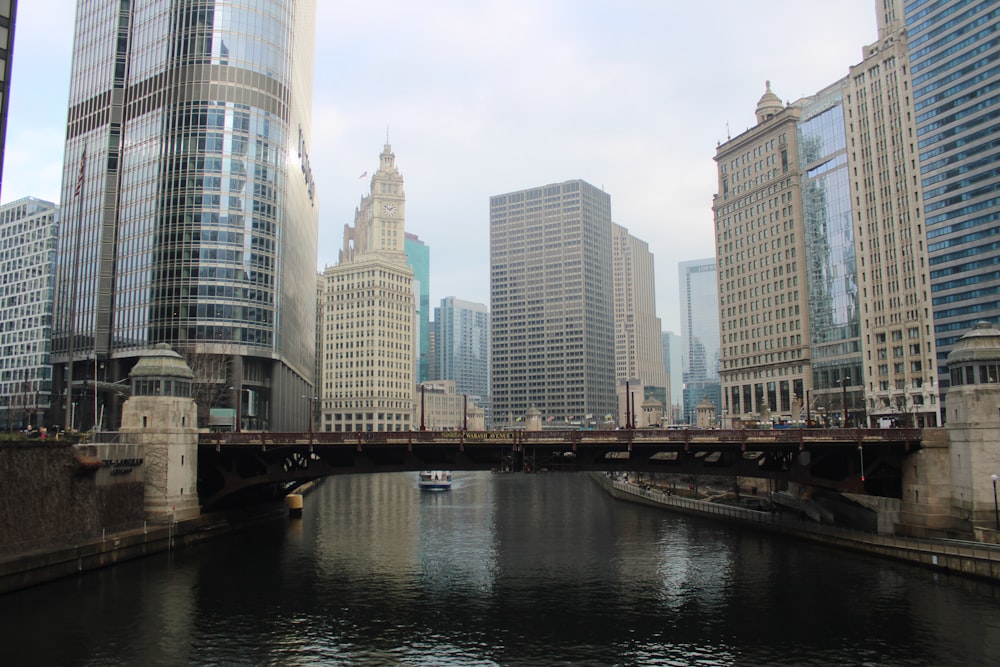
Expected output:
(379, 220)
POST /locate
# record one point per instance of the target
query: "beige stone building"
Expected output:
(366, 313)
(438, 408)
(764, 315)
(900, 355)
(638, 342)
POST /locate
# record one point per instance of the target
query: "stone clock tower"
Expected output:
(379, 219)
(366, 317)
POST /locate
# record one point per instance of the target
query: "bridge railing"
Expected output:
(799, 436)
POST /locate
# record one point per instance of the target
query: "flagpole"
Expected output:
(68, 415)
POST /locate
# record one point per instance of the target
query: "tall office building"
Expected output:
(462, 348)
(954, 60)
(367, 316)
(834, 332)
(638, 346)
(418, 257)
(700, 355)
(28, 229)
(8, 20)
(760, 248)
(893, 282)
(189, 208)
(552, 322)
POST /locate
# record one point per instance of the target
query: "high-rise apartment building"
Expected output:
(954, 67)
(700, 355)
(189, 207)
(366, 313)
(8, 20)
(762, 282)
(893, 283)
(418, 256)
(462, 348)
(28, 230)
(552, 321)
(638, 346)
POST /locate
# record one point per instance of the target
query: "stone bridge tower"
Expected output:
(973, 422)
(162, 416)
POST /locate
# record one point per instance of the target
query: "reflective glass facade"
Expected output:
(700, 329)
(830, 251)
(191, 211)
(955, 66)
(8, 19)
(462, 348)
(418, 257)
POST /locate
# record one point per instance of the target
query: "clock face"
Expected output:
(389, 209)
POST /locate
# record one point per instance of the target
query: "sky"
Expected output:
(484, 97)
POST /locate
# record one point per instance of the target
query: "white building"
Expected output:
(28, 229)
(367, 314)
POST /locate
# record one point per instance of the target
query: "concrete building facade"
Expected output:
(190, 210)
(893, 278)
(551, 286)
(765, 364)
(367, 316)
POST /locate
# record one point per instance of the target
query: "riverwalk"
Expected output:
(973, 559)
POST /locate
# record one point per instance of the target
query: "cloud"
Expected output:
(486, 97)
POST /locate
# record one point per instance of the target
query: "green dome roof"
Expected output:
(163, 362)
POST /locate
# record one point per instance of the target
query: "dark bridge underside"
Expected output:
(243, 468)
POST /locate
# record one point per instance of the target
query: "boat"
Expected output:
(435, 480)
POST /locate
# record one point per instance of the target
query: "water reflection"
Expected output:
(502, 570)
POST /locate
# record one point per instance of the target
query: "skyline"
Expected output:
(457, 88)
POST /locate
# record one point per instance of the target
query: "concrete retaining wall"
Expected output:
(967, 558)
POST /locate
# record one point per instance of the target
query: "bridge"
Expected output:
(235, 468)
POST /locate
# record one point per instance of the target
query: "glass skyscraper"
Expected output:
(700, 328)
(462, 348)
(8, 19)
(190, 212)
(954, 50)
(834, 324)
(418, 257)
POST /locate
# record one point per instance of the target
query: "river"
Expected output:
(502, 570)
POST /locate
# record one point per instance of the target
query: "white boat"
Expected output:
(435, 480)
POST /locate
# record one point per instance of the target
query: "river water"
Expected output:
(501, 570)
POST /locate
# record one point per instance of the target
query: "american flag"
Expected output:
(79, 179)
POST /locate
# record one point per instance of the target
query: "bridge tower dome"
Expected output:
(161, 416)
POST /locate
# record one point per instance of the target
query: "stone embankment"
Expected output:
(972, 559)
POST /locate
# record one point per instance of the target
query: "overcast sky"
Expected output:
(483, 97)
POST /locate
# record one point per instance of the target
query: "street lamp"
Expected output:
(843, 386)
(310, 399)
(996, 509)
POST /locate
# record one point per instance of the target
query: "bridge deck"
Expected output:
(858, 460)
